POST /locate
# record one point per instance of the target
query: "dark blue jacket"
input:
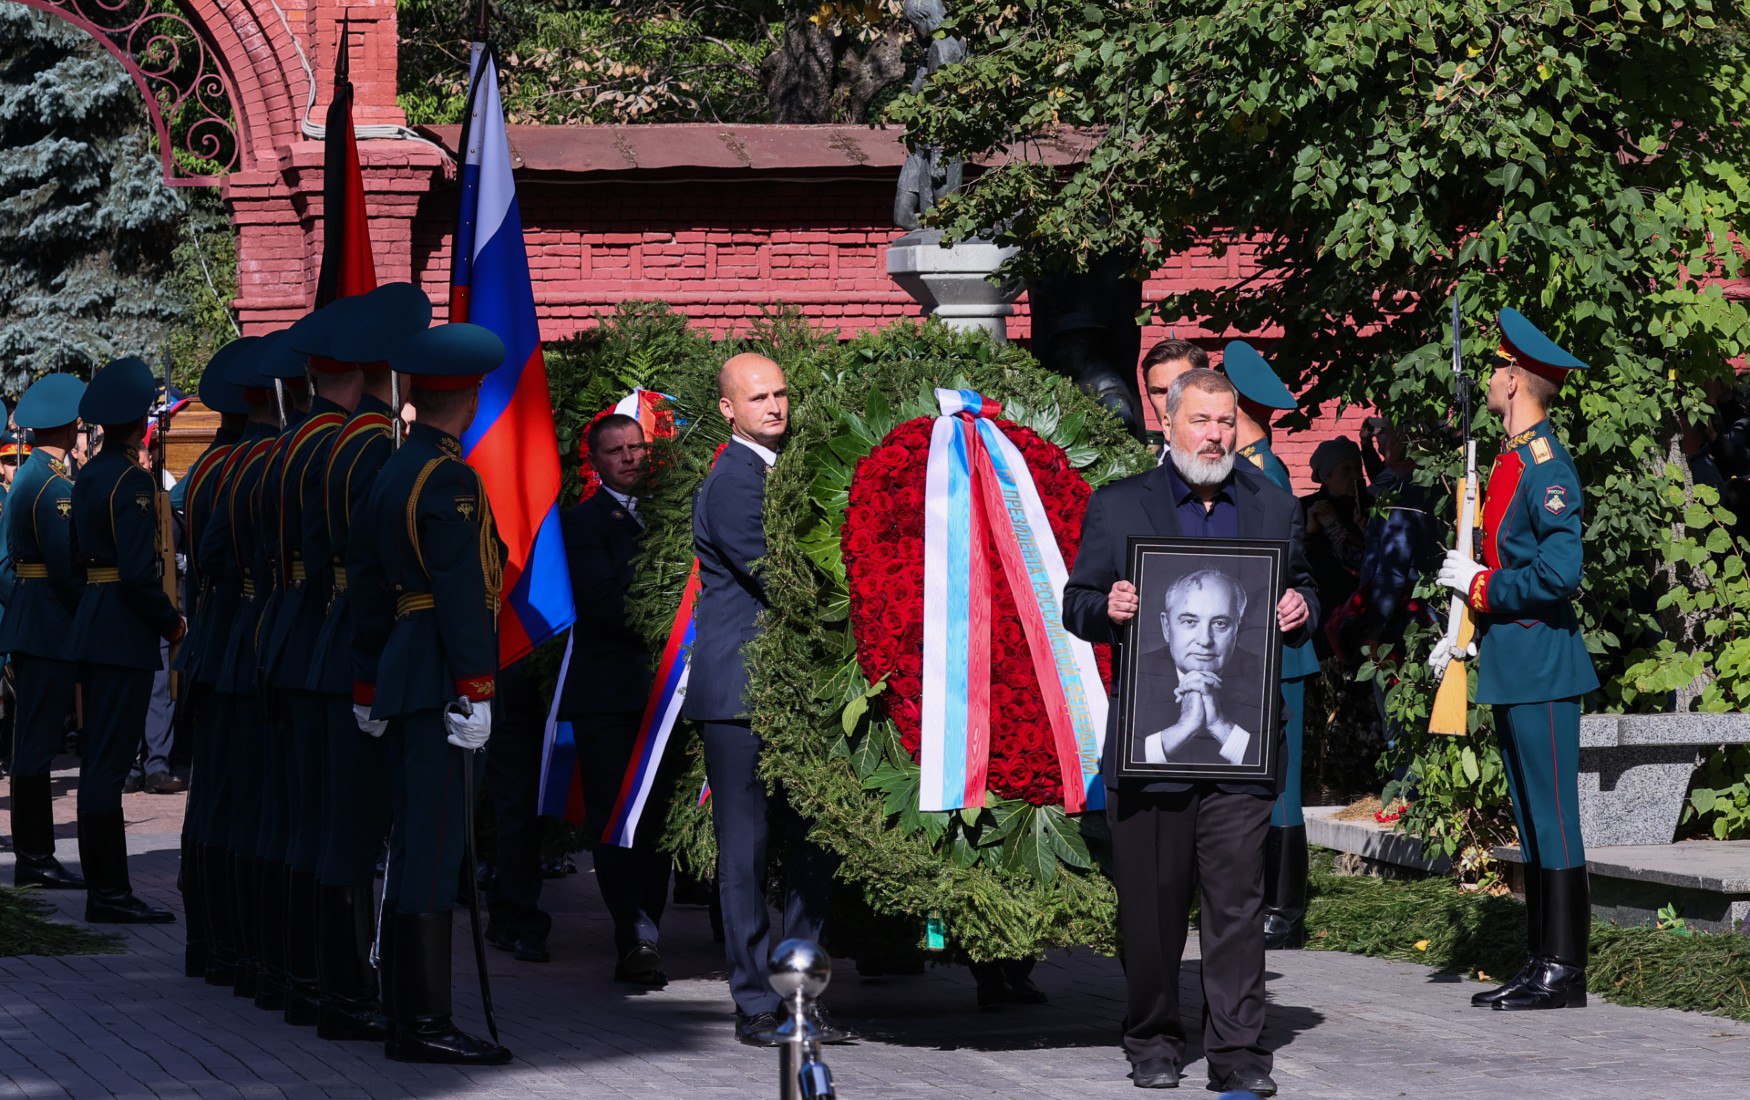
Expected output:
(39, 529)
(610, 664)
(240, 525)
(1143, 505)
(304, 574)
(215, 557)
(122, 615)
(729, 539)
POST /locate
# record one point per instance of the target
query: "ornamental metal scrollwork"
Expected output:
(189, 96)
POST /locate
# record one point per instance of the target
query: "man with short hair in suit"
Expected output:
(1163, 831)
(729, 537)
(605, 692)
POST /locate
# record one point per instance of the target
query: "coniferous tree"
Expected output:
(87, 226)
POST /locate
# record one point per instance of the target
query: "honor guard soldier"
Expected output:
(210, 947)
(122, 614)
(13, 451)
(425, 573)
(1533, 666)
(39, 618)
(355, 775)
(290, 634)
(1285, 855)
(228, 548)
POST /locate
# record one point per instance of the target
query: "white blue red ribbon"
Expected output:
(977, 487)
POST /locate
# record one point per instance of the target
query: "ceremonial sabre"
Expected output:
(466, 707)
(1450, 713)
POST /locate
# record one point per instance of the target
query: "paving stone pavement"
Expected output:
(1341, 1026)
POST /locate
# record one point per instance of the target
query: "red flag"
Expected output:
(347, 265)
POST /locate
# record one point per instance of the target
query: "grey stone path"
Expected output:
(1342, 1026)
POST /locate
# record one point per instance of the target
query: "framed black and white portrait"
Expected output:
(1203, 661)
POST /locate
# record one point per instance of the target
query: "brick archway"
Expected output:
(261, 59)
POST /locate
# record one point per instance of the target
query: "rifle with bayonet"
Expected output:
(165, 514)
(1450, 713)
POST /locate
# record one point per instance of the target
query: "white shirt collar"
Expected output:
(767, 455)
(630, 503)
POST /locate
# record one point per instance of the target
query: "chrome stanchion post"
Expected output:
(800, 972)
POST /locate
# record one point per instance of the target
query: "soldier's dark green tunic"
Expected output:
(1299, 664)
(355, 810)
(44, 596)
(1532, 664)
(424, 572)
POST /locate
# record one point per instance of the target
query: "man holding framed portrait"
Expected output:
(1196, 570)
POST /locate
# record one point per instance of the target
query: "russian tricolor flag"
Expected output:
(512, 442)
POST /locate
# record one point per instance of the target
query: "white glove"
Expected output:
(373, 726)
(1446, 650)
(1457, 572)
(469, 725)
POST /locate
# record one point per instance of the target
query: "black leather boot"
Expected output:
(423, 1031)
(1285, 888)
(33, 837)
(385, 960)
(1533, 942)
(244, 871)
(196, 942)
(302, 991)
(270, 912)
(348, 1007)
(109, 897)
(1559, 979)
(216, 911)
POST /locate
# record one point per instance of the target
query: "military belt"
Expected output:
(297, 572)
(32, 571)
(409, 602)
(248, 589)
(340, 578)
(103, 574)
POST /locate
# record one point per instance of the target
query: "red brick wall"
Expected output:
(721, 252)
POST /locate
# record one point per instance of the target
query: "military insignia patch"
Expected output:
(1540, 451)
(1555, 500)
(466, 507)
(144, 500)
(64, 506)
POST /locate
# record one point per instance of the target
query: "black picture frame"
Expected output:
(1159, 738)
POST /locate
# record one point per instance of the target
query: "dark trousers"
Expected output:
(1540, 744)
(115, 720)
(744, 815)
(1162, 846)
(43, 688)
(240, 721)
(633, 881)
(513, 780)
(426, 793)
(355, 796)
(304, 746)
(274, 789)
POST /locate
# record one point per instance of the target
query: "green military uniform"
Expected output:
(44, 593)
(424, 570)
(1285, 851)
(1533, 669)
(122, 615)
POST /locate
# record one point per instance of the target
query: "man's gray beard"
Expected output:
(1202, 472)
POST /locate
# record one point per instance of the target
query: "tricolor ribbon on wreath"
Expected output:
(561, 783)
(978, 491)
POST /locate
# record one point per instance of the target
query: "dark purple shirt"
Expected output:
(1198, 522)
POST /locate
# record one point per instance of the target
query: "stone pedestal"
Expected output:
(954, 283)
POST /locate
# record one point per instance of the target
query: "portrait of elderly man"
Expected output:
(1201, 692)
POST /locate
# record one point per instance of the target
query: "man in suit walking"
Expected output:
(1163, 831)
(605, 693)
(729, 537)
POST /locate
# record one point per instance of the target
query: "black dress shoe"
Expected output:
(1488, 997)
(642, 966)
(1155, 1073)
(531, 949)
(44, 872)
(340, 1019)
(439, 1042)
(123, 908)
(1551, 984)
(827, 1031)
(1254, 1081)
(758, 1030)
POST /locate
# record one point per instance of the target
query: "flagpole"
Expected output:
(482, 17)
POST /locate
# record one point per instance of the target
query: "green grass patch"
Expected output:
(1431, 921)
(25, 929)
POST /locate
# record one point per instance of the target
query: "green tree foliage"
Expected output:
(87, 227)
(1582, 161)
